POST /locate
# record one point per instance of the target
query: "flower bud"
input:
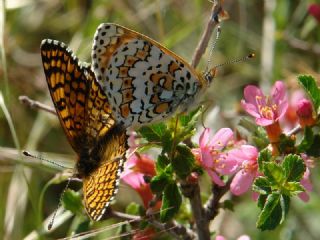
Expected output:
(305, 113)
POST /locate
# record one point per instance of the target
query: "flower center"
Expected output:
(266, 109)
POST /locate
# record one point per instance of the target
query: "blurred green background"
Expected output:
(282, 34)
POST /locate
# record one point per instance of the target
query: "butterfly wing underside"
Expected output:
(100, 187)
(144, 81)
(86, 117)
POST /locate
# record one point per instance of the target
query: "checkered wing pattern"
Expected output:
(100, 187)
(81, 106)
(144, 81)
(85, 115)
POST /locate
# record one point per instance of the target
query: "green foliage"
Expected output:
(171, 202)
(310, 86)
(256, 133)
(176, 160)
(279, 183)
(287, 144)
(72, 201)
(183, 162)
(265, 156)
(159, 182)
(307, 141)
(274, 211)
(134, 209)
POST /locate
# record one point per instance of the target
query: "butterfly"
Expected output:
(86, 118)
(144, 81)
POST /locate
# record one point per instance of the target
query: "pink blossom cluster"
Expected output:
(220, 155)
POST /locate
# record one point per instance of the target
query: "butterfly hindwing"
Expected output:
(100, 187)
(143, 80)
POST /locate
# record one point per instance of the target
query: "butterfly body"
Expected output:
(86, 117)
(144, 81)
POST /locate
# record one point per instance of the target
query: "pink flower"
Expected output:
(305, 113)
(137, 167)
(246, 156)
(314, 10)
(265, 109)
(305, 181)
(210, 155)
(291, 119)
(242, 237)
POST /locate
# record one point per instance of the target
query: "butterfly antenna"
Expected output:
(209, 75)
(212, 47)
(60, 202)
(242, 59)
(28, 154)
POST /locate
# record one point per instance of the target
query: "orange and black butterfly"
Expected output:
(86, 117)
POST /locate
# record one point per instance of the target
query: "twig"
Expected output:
(176, 230)
(36, 105)
(205, 38)
(212, 205)
(302, 45)
(192, 191)
(294, 131)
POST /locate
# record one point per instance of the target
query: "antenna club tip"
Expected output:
(252, 55)
(26, 153)
(50, 226)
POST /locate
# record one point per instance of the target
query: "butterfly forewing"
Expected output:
(144, 81)
(86, 117)
(68, 87)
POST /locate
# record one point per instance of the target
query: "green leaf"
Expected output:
(310, 86)
(265, 155)
(292, 188)
(183, 161)
(167, 142)
(314, 149)
(274, 173)
(285, 205)
(161, 163)
(287, 144)
(154, 132)
(191, 118)
(294, 168)
(271, 214)
(159, 182)
(261, 185)
(307, 140)
(171, 202)
(72, 201)
(261, 201)
(134, 209)
(260, 137)
(228, 204)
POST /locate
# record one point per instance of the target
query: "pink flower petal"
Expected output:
(278, 92)
(250, 108)
(219, 237)
(206, 158)
(221, 138)
(282, 109)
(204, 138)
(251, 92)
(250, 152)
(215, 178)
(243, 237)
(264, 122)
(241, 182)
